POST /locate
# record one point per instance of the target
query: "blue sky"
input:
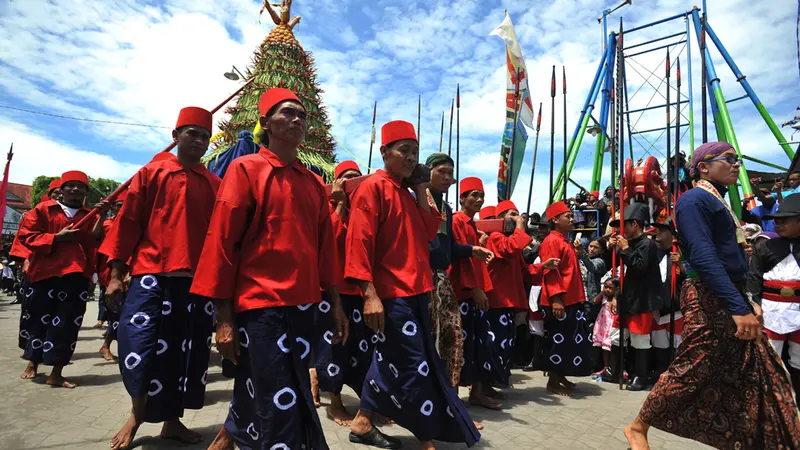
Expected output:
(141, 62)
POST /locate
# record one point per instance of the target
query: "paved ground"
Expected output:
(36, 416)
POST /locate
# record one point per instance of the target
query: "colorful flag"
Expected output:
(516, 81)
(4, 188)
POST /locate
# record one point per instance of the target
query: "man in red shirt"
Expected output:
(164, 338)
(53, 191)
(388, 256)
(568, 341)
(61, 265)
(269, 249)
(102, 229)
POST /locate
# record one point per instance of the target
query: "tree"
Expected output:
(280, 61)
(39, 188)
(98, 188)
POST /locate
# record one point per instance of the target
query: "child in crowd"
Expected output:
(605, 319)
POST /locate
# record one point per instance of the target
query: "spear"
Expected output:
(441, 134)
(419, 115)
(372, 136)
(458, 129)
(620, 149)
(669, 143)
(113, 196)
(675, 199)
(450, 143)
(704, 74)
(564, 170)
(513, 139)
(552, 130)
(535, 151)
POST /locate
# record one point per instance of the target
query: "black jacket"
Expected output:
(766, 255)
(641, 288)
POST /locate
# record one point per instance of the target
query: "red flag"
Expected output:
(4, 186)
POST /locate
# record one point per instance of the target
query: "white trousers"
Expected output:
(660, 339)
(638, 341)
(794, 351)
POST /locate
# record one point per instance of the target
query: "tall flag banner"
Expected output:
(516, 65)
(4, 187)
(798, 35)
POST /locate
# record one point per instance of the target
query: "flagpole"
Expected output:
(419, 115)
(552, 131)
(669, 123)
(450, 141)
(564, 171)
(458, 134)
(372, 136)
(535, 151)
(441, 134)
(510, 176)
(4, 187)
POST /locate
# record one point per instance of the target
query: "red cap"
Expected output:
(470, 184)
(555, 210)
(651, 230)
(397, 130)
(504, 206)
(596, 194)
(192, 115)
(344, 166)
(74, 175)
(55, 184)
(163, 156)
(487, 212)
(274, 96)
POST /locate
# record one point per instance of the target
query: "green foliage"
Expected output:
(40, 186)
(98, 188)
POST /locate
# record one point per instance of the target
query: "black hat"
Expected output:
(789, 208)
(634, 211)
(666, 226)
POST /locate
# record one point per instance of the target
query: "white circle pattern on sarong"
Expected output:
(305, 307)
(555, 359)
(491, 334)
(45, 319)
(353, 361)
(30, 292)
(464, 308)
(189, 307)
(24, 334)
(36, 344)
(409, 329)
(209, 308)
(244, 338)
(379, 355)
(306, 345)
(324, 307)
(283, 348)
(558, 338)
(356, 316)
(162, 346)
(62, 296)
(381, 336)
(504, 320)
(148, 282)
(145, 320)
(280, 446)
(396, 403)
(426, 408)
(56, 320)
(208, 342)
(250, 389)
(577, 361)
(463, 335)
(186, 345)
(449, 413)
(78, 321)
(580, 315)
(363, 345)
(562, 318)
(115, 325)
(204, 378)
(136, 360)
(251, 431)
(423, 369)
(49, 293)
(84, 295)
(166, 307)
(73, 345)
(394, 371)
(333, 369)
(159, 387)
(503, 344)
(26, 316)
(578, 338)
(328, 336)
(233, 411)
(284, 406)
(47, 346)
(375, 386)
(487, 366)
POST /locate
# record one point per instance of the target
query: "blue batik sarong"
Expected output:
(339, 365)
(495, 331)
(24, 294)
(164, 343)
(55, 307)
(108, 315)
(272, 406)
(407, 381)
(469, 318)
(568, 347)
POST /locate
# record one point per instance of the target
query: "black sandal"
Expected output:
(375, 438)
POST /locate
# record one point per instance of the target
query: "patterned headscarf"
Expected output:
(707, 151)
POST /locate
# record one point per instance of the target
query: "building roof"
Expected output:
(19, 196)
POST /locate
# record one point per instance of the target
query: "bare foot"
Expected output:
(562, 380)
(124, 438)
(175, 430)
(426, 445)
(478, 425)
(314, 387)
(489, 391)
(223, 441)
(59, 381)
(98, 325)
(382, 420)
(557, 389)
(107, 355)
(637, 438)
(486, 402)
(29, 372)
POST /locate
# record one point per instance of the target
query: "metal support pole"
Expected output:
(608, 77)
(654, 49)
(657, 22)
(651, 107)
(656, 40)
(691, 92)
(625, 89)
(620, 146)
(535, 153)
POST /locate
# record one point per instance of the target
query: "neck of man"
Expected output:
(285, 151)
(186, 160)
(470, 213)
(636, 235)
(436, 194)
(75, 205)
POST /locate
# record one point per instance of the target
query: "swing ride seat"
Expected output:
(645, 182)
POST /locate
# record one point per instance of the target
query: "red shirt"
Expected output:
(103, 268)
(271, 240)
(17, 249)
(340, 233)
(468, 273)
(567, 278)
(48, 258)
(387, 243)
(508, 270)
(164, 218)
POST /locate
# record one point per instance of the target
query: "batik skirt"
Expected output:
(108, 315)
(24, 294)
(470, 366)
(339, 365)
(720, 390)
(164, 342)
(272, 406)
(443, 309)
(567, 349)
(407, 381)
(495, 329)
(55, 314)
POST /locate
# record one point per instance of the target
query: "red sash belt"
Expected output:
(782, 291)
